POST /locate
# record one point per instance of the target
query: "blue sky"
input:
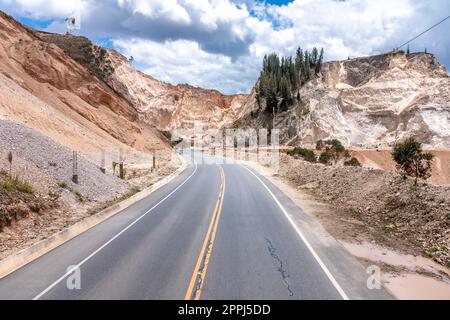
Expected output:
(220, 43)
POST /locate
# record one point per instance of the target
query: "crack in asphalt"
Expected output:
(281, 270)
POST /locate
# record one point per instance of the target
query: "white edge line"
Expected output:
(310, 248)
(112, 239)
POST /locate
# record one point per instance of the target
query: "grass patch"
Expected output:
(78, 195)
(15, 184)
(62, 185)
(130, 193)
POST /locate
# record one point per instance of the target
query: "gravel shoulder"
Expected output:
(48, 167)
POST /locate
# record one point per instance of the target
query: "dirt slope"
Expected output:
(46, 89)
(159, 104)
(389, 208)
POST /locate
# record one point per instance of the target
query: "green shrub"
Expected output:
(353, 162)
(320, 145)
(411, 160)
(62, 185)
(306, 154)
(336, 145)
(326, 157)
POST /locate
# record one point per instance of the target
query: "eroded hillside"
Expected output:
(43, 87)
(165, 106)
(367, 102)
(172, 107)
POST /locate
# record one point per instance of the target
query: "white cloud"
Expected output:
(220, 43)
(183, 61)
(44, 9)
(166, 9)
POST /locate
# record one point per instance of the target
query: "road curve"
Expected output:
(218, 231)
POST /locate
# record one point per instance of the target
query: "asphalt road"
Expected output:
(218, 231)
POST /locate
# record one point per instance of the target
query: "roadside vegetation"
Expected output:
(326, 157)
(327, 152)
(408, 155)
(17, 199)
(412, 161)
(398, 212)
(382, 203)
(11, 184)
(306, 154)
(353, 162)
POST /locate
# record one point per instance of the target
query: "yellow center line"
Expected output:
(199, 274)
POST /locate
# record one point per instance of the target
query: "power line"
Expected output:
(434, 26)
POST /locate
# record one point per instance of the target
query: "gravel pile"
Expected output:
(48, 165)
(384, 201)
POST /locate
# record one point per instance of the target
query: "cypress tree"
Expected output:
(307, 67)
(314, 56)
(319, 62)
(280, 77)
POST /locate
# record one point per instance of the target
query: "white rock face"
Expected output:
(169, 107)
(373, 101)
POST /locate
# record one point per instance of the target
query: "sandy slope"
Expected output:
(44, 88)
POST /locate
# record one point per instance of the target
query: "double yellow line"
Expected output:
(198, 276)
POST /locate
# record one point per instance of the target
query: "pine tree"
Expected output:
(285, 93)
(280, 77)
(299, 59)
(307, 67)
(272, 100)
(319, 62)
(314, 56)
(292, 75)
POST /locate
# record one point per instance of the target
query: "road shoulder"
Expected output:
(348, 271)
(401, 273)
(40, 248)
